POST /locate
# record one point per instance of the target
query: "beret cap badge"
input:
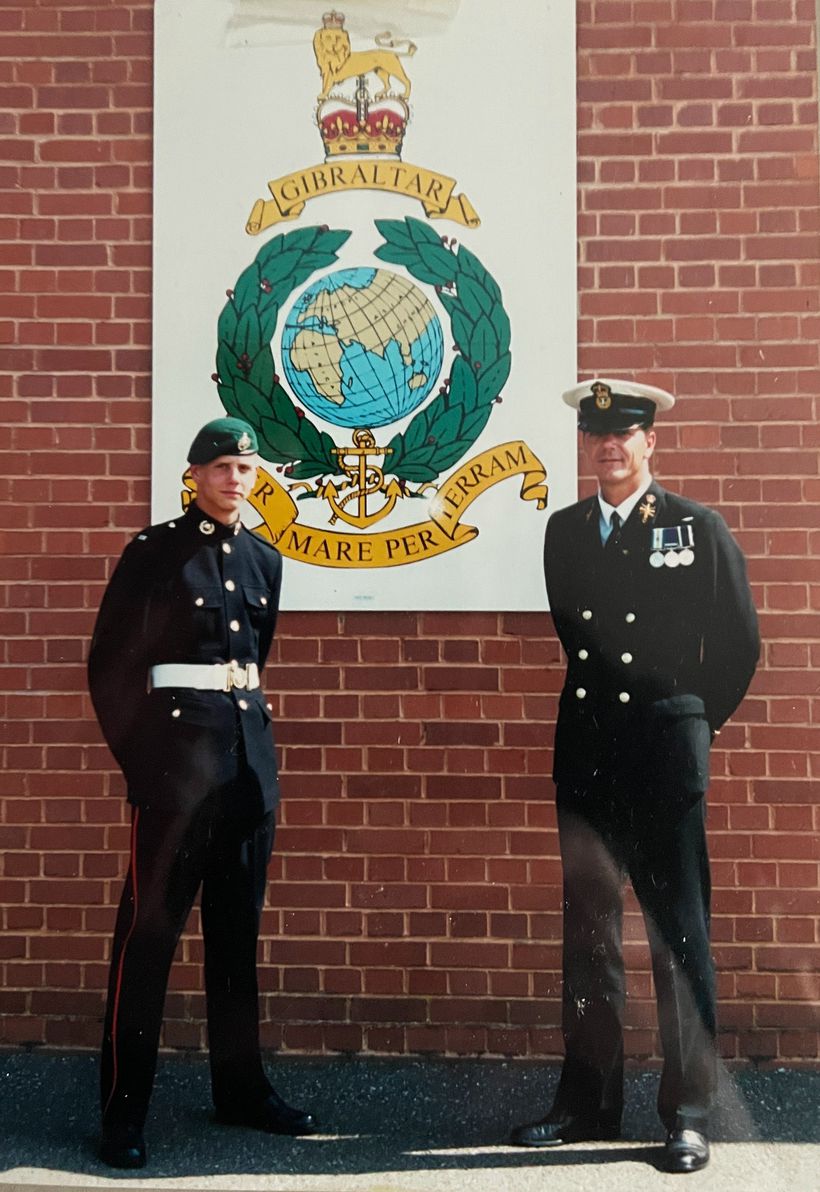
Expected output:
(223, 436)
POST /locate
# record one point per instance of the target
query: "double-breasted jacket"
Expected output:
(661, 639)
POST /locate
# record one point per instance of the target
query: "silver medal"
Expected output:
(206, 527)
(687, 557)
(656, 558)
(671, 558)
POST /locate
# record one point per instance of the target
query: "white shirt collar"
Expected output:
(625, 508)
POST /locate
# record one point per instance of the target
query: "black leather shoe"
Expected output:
(122, 1146)
(273, 1115)
(685, 1150)
(556, 1129)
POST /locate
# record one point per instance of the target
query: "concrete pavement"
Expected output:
(396, 1125)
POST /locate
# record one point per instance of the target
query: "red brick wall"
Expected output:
(415, 896)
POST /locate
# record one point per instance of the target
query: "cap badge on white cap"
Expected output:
(602, 394)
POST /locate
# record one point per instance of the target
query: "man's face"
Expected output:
(619, 457)
(224, 484)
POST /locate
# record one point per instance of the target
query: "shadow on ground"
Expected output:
(380, 1115)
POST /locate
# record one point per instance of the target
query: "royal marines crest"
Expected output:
(367, 384)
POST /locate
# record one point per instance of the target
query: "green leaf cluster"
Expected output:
(440, 434)
(247, 382)
(446, 428)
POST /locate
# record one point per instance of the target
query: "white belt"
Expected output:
(219, 676)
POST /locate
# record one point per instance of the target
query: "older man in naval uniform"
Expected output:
(651, 603)
(181, 638)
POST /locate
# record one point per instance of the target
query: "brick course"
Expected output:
(415, 894)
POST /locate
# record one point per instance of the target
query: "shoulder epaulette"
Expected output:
(258, 538)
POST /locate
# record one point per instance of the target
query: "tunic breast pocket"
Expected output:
(207, 609)
(257, 602)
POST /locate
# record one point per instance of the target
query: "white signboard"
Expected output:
(365, 247)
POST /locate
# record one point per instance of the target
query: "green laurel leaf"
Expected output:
(474, 298)
(483, 342)
(493, 379)
(420, 232)
(247, 288)
(246, 377)
(395, 232)
(440, 434)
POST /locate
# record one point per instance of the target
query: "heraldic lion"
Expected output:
(338, 62)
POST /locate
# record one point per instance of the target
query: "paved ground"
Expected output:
(402, 1125)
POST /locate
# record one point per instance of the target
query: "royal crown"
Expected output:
(377, 129)
(333, 20)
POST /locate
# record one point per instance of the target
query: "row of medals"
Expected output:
(672, 547)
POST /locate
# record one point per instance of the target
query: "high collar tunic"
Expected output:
(191, 591)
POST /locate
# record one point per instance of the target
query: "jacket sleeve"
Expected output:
(557, 563)
(266, 634)
(118, 658)
(731, 639)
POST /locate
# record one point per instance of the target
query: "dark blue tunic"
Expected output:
(187, 591)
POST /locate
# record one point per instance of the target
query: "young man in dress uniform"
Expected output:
(182, 635)
(651, 603)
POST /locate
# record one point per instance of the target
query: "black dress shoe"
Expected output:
(685, 1150)
(122, 1146)
(273, 1115)
(559, 1128)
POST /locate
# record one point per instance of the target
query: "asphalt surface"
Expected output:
(397, 1125)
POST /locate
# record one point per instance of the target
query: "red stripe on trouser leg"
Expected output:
(121, 965)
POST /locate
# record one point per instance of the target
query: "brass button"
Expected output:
(230, 585)
(234, 626)
(587, 614)
(626, 657)
(629, 618)
(624, 697)
(581, 692)
(583, 655)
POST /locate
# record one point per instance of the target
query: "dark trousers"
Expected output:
(172, 854)
(606, 838)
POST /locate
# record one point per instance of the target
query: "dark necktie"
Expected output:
(615, 532)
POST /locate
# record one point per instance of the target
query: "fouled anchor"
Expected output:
(364, 479)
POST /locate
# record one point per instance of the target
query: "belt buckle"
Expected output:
(237, 676)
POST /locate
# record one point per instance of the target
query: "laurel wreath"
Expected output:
(444, 429)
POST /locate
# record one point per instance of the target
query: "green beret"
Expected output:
(223, 436)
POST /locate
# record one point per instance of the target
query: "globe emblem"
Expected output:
(362, 347)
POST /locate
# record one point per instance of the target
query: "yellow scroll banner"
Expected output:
(434, 191)
(442, 532)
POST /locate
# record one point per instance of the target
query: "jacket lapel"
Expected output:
(647, 514)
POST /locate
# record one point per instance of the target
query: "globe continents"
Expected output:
(362, 347)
